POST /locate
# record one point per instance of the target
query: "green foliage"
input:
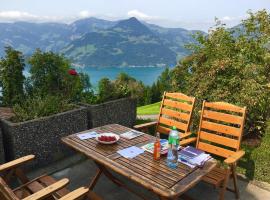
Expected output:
(123, 86)
(231, 65)
(11, 77)
(49, 76)
(106, 90)
(36, 107)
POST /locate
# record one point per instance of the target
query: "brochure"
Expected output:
(131, 134)
(150, 146)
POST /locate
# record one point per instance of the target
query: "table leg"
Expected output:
(95, 179)
(108, 174)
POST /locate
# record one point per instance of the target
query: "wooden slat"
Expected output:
(175, 114)
(34, 186)
(15, 163)
(170, 122)
(48, 190)
(180, 96)
(145, 125)
(22, 193)
(162, 129)
(76, 194)
(233, 119)
(48, 180)
(220, 128)
(224, 106)
(178, 105)
(5, 192)
(215, 150)
(219, 139)
(235, 157)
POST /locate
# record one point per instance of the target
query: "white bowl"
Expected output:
(108, 134)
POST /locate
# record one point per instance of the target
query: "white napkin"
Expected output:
(88, 135)
(130, 152)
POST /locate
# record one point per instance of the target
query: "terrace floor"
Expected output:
(79, 170)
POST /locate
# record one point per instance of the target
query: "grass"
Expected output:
(256, 162)
(150, 109)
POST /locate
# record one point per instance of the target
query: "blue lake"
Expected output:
(148, 75)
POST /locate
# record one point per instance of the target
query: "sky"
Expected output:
(190, 14)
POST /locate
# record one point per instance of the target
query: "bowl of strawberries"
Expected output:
(107, 138)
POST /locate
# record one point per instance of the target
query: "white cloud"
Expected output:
(141, 15)
(84, 14)
(13, 15)
(16, 15)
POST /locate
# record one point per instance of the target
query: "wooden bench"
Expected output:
(176, 110)
(42, 187)
(220, 133)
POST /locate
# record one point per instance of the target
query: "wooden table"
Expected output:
(153, 175)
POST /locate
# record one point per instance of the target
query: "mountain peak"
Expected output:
(133, 25)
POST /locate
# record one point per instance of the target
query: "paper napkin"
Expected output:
(130, 152)
(88, 135)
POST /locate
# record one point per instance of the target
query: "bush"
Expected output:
(11, 77)
(50, 75)
(231, 65)
(36, 107)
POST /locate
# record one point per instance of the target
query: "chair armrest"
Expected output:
(48, 190)
(184, 142)
(78, 193)
(145, 125)
(234, 157)
(15, 163)
(185, 135)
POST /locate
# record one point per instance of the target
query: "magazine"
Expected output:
(131, 134)
(150, 146)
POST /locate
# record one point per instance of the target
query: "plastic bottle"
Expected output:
(157, 147)
(172, 155)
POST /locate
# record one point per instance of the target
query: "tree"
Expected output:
(51, 75)
(231, 65)
(12, 78)
(164, 81)
(106, 90)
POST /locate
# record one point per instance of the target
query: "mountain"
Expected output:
(129, 42)
(83, 26)
(97, 42)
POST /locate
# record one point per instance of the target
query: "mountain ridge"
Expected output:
(98, 42)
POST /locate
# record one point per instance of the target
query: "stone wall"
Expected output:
(42, 137)
(120, 111)
(2, 152)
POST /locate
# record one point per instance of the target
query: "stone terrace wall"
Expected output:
(42, 137)
(120, 111)
(5, 113)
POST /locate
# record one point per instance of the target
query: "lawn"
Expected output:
(255, 164)
(150, 109)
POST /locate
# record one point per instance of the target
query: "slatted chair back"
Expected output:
(175, 110)
(221, 128)
(5, 192)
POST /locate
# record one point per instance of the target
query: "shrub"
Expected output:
(50, 75)
(231, 65)
(36, 107)
(11, 77)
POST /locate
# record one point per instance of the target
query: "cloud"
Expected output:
(84, 14)
(16, 15)
(141, 15)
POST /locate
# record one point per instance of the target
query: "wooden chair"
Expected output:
(175, 110)
(42, 187)
(220, 133)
